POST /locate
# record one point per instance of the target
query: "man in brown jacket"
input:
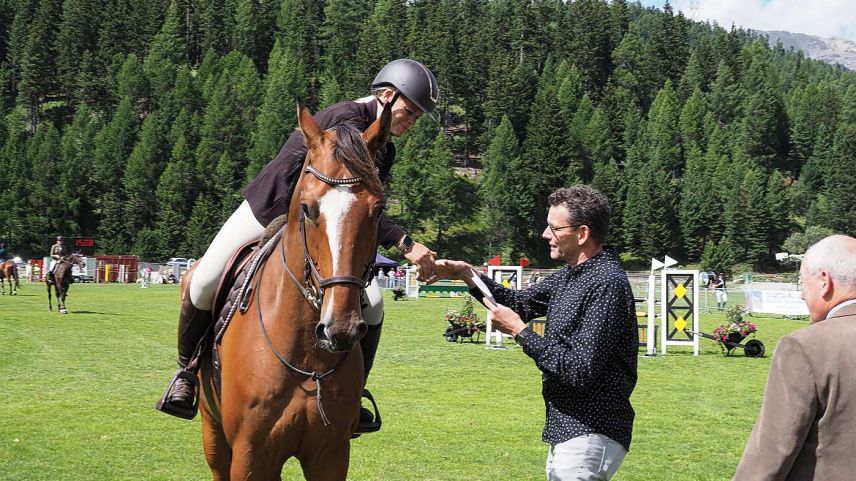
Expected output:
(807, 426)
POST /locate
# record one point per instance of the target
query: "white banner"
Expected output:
(787, 303)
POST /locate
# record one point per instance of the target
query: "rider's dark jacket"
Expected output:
(269, 194)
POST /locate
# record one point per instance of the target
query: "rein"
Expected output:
(314, 375)
(313, 291)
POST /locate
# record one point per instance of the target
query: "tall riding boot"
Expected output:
(181, 398)
(369, 421)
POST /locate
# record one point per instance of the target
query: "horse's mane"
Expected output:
(352, 151)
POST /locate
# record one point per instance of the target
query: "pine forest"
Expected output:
(138, 122)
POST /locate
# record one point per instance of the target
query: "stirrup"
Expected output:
(368, 426)
(168, 407)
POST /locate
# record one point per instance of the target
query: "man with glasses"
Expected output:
(587, 355)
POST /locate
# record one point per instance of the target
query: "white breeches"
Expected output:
(242, 227)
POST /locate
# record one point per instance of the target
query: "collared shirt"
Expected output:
(588, 354)
(840, 306)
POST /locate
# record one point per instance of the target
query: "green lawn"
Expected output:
(78, 391)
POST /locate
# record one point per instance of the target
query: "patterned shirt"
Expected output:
(587, 356)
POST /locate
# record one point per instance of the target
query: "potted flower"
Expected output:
(464, 322)
(734, 330)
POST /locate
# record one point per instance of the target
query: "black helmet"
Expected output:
(59, 237)
(413, 80)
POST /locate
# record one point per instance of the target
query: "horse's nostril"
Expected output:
(320, 331)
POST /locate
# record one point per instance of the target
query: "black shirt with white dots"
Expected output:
(587, 356)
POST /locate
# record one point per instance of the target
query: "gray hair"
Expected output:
(836, 255)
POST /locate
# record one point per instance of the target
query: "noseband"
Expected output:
(315, 285)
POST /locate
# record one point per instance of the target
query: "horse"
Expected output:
(290, 377)
(62, 279)
(9, 271)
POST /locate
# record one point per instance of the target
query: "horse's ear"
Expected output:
(378, 132)
(311, 132)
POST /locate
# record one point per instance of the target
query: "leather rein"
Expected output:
(313, 291)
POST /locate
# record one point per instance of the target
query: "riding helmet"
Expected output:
(59, 237)
(413, 80)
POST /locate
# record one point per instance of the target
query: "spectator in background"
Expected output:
(721, 293)
(805, 428)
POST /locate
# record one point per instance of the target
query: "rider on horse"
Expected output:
(268, 196)
(3, 252)
(57, 253)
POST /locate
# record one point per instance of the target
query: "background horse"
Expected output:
(9, 271)
(291, 380)
(62, 279)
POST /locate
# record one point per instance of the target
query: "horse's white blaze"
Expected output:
(334, 206)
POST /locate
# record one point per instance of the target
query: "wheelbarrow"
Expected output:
(460, 331)
(752, 348)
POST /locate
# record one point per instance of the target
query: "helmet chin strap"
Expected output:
(394, 98)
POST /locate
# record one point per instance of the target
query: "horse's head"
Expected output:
(76, 259)
(337, 204)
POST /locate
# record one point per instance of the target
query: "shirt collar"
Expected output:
(605, 254)
(839, 307)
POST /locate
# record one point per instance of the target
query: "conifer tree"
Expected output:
(443, 182)
(663, 139)
(77, 34)
(168, 52)
(608, 179)
(381, 40)
(77, 183)
(174, 201)
(414, 197)
(144, 167)
(298, 27)
(841, 184)
(591, 43)
(496, 188)
(339, 36)
(255, 24)
(670, 46)
(692, 122)
(205, 221)
(277, 117)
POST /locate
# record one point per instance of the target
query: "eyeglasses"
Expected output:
(556, 229)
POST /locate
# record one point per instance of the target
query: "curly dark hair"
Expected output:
(587, 206)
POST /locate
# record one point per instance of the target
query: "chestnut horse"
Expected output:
(61, 280)
(9, 271)
(291, 380)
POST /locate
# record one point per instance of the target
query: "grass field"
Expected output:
(77, 395)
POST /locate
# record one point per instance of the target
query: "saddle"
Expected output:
(234, 291)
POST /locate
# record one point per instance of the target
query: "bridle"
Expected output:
(314, 287)
(313, 291)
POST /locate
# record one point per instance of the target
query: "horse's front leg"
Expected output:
(50, 301)
(60, 300)
(254, 461)
(328, 464)
(217, 451)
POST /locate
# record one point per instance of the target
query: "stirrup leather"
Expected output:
(179, 411)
